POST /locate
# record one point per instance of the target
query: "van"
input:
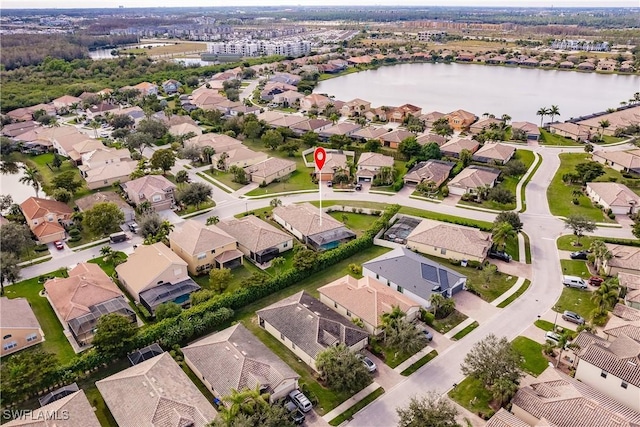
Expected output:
(301, 401)
(574, 282)
(118, 237)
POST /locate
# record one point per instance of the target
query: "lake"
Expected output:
(518, 92)
(10, 184)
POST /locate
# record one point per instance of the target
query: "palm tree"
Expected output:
(562, 342)
(207, 152)
(94, 125)
(390, 318)
(278, 262)
(334, 118)
(213, 220)
(600, 252)
(606, 296)
(275, 202)
(501, 233)
(245, 402)
(506, 118)
(542, 112)
(108, 254)
(31, 177)
(553, 112)
(603, 125)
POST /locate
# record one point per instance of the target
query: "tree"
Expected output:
(603, 125)
(636, 229)
(219, 279)
(161, 234)
(503, 390)
(149, 224)
(67, 180)
(167, 310)
(9, 269)
(589, 171)
(277, 263)
(247, 405)
(430, 410)
(103, 218)
(487, 273)
(272, 139)
(579, 224)
(252, 129)
(588, 147)
(213, 220)
(442, 127)
(601, 253)
(31, 176)
(274, 203)
(430, 151)
(138, 141)
(542, 112)
(553, 112)
(6, 200)
(501, 195)
(121, 121)
(26, 373)
(222, 161)
(155, 128)
(510, 217)
(191, 152)
(108, 254)
(305, 258)
(239, 175)
(57, 161)
(404, 337)
(15, 238)
(372, 145)
(441, 306)
(501, 233)
(389, 319)
(606, 296)
(114, 333)
(182, 177)
(310, 139)
(194, 194)
(62, 195)
(491, 360)
(409, 147)
(514, 168)
(342, 369)
(163, 159)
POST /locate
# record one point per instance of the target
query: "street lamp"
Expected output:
(555, 308)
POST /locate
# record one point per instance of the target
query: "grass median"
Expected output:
(348, 414)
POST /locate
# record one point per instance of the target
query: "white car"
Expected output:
(301, 401)
(552, 337)
(368, 363)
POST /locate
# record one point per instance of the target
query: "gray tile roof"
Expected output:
(413, 272)
(567, 402)
(620, 358)
(235, 359)
(155, 393)
(311, 325)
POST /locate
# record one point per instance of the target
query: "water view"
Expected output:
(519, 92)
(10, 184)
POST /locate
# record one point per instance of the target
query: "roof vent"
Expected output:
(244, 353)
(153, 379)
(151, 394)
(309, 316)
(227, 348)
(144, 383)
(159, 389)
(236, 356)
(306, 305)
(299, 308)
(632, 363)
(235, 344)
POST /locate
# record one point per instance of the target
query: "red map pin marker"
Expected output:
(319, 157)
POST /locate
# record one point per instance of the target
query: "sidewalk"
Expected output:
(413, 359)
(351, 401)
(460, 327)
(509, 292)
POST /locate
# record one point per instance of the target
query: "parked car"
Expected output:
(302, 402)
(368, 363)
(295, 414)
(358, 187)
(329, 183)
(552, 337)
(579, 255)
(574, 282)
(134, 227)
(427, 334)
(59, 245)
(572, 317)
(595, 280)
(501, 255)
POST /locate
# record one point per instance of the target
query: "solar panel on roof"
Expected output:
(429, 272)
(444, 279)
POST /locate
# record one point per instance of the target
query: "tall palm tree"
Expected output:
(31, 177)
(213, 220)
(501, 233)
(603, 125)
(606, 296)
(562, 342)
(542, 112)
(207, 152)
(107, 253)
(553, 111)
(601, 253)
(390, 318)
(506, 118)
(94, 125)
(275, 202)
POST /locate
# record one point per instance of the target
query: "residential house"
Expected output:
(454, 147)
(184, 129)
(483, 124)
(146, 88)
(399, 114)
(234, 359)
(562, 401)
(504, 418)
(219, 142)
(88, 202)
(612, 195)
(449, 241)
(355, 108)
(240, 156)
(631, 283)
(335, 162)
(287, 120)
(471, 178)
(269, 116)
(414, 275)
(314, 100)
(226, 106)
(566, 65)
(171, 86)
(43, 138)
(19, 326)
(366, 299)
(288, 98)
(612, 368)
(273, 88)
(72, 410)
(244, 110)
(307, 327)
(623, 161)
(395, 137)
(153, 275)
(155, 189)
(20, 114)
(310, 125)
(46, 218)
(461, 120)
(66, 139)
(286, 78)
(625, 259)
(65, 102)
(102, 168)
(430, 118)
(376, 114)
(618, 119)
(428, 138)
(257, 239)
(571, 131)
(494, 152)
(155, 393)
(272, 169)
(586, 66)
(207, 100)
(318, 230)
(344, 128)
(204, 247)
(82, 298)
(436, 171)
(369, 132)
(369, 165)
(12, 130)
(531, 130)
(48, 109)
(100, 110)
(136, 114)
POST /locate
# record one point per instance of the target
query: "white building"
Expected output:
(294, 47)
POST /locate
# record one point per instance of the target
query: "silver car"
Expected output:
(572, 317)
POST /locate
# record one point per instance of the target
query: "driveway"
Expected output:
(170, 216)
(474, 306)
(384, 375)
(514, 268)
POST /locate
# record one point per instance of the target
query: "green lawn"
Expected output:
(451, 321)
(526, 182)
(575, 300)
(527, 247)
(358, 223)
(545, 325)
(548, 138)
(109, 267)
(239, 274)
(564, 243)
(533, 361)
(560, 195)
(516, 294)
(55, 341)
(348, 414)
(298, 180)
(472, 395)
(391, 356)
(209, 204)
(288, 257)
(464, 332)
(225, 178)
(419, 364)
(86, 237)
(575, 267)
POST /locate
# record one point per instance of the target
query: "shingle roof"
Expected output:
(428, 138)
(73, 410)
(335, 161)
(413, 272)
(309, 324)
(112, 170)
(35, 207)
(310, 125)
(474, 177)
(584, 339)
(375, 160)
(216, 141)
(16, 313)
(155, 393)
(366, 298)
(341, 129)
(624, 257)
(194, 237)
(567, 402)
(464, 240)
(397, 135)
(495, 151)
(614, 194)
(253, 233)
(269, 167)
(305, 218)
(235, 359)
(620, 358)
